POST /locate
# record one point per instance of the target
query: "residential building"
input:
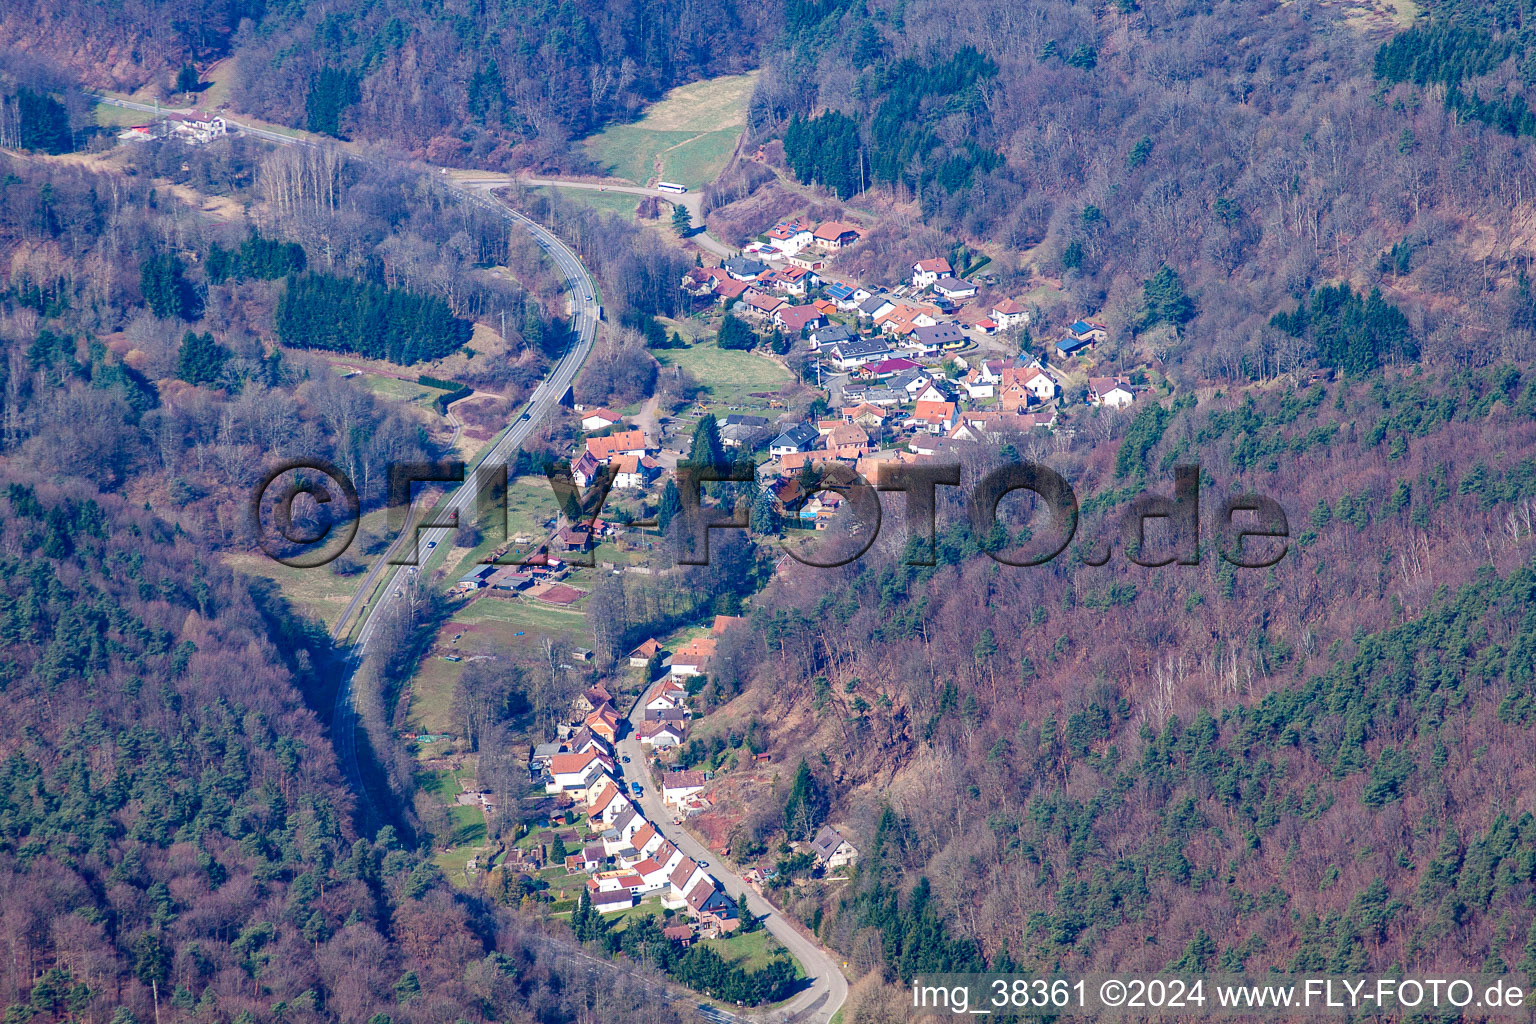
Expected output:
(659, 735)
(857, 352)
(795, 319)
(797, 438)
(1068, 346)
(713, 906)
(1009, 314)
(730, 290)
(676, 787)
(607, 902)
(940, 336)
(744, 268)
(833, 235)
(643, 654)
(627, 442)
(926, 272)
(935, 417)
(634, 471)
(831, 849)
(954, 288)
(604, 722)
(877, 306)
(1111, 392)
(790, 236)
(585, 469)
(600, 419)
(762, 304)
(692, 659)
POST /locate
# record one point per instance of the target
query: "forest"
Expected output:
(1091, 144)
(502, 85)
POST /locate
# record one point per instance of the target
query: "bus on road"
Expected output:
(671, 186)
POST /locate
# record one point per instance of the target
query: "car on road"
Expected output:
(704, 864)
(635, 788)
(431, 544)
(626, 759)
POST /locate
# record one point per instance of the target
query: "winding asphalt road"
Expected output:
(585, 314)
(693, 202)
(828, 989)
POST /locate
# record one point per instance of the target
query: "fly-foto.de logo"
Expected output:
(1154, 529)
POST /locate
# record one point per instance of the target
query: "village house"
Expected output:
(731, 290)
(954, 288)
(741, 430)
(857, 352)
(678, 787)
(904, 318)
(609, 901)
(633, 472)
(1009, 314)
(666, 694)
(926, 272)
(692, 659)
(939, 337)
(876, 306)
(795, 319)
(1089, 330)
(797, 438)
(935, 417)
(700, 281)
(865, 415)
(848, 441)
(599, 419)
(828, 335)
(573, 774)
(833, 235)
(198, 127)
(725, 622)
(659, 735)
(584, 739)
(831, 849)
(1110, 392)
(713, 907)
(627, 442)
(586, 469)
(683, 877)
(604, 722)
(1068, 346)
(744, 268)
(841, 294)
(643, 654)
(763, 305)
(790, 236)
(977, 386)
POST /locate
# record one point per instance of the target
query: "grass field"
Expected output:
(502, 618)
(621, 203)
(432, 694)
(319, 593)
(751, 950)
(729, 377)
(687, 136)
